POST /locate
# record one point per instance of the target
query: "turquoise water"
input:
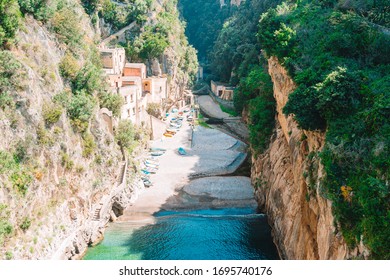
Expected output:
(213, 234)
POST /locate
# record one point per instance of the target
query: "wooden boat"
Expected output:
(167, 134)
(158, 149)
(182, 151)
(152, 162)
(151, 165)
(157, 153)
(147, 183)
(171, 130)
(149, 170)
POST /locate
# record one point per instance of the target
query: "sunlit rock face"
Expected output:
(287, 179)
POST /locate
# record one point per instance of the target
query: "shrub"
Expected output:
(21, 150)
(8, 255)
(125, 134)
(9, 20)
(12, 75)
(5, 226)
(80, 110)
(261, 122)
(88, 145)
(112, 102)
(66, 161)
(69, 66)
(88, 79)
(41, 9)
(21, 180)
(43, 136)
(26, 223)
(51, 113)
(66, 25)
(154, 109)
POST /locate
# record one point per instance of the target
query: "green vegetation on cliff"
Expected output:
(338, 54)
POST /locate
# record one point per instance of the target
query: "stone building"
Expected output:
(222, 90)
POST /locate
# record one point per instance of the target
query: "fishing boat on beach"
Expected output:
(182, 151)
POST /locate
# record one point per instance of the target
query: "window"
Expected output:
(128, 112)
(131, 97)
(133, 111)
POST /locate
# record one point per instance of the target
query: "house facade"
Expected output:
(222, 90)
(131, 82)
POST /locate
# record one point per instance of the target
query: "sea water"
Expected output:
(210, 234)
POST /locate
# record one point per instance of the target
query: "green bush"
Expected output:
(80, 110)
(9, 20)
(43, 136)
(154, 109)
(41, 9)
(112, 102)
(69, 66)
(89, 79)
(66, 25)
(261, 122)
(12, 75)
(8, 255)
(88, 145)
(6, 228)
(21, 180)
(125, 134)
(21, 150)
(51, 113)
(66, 161)
(26, 223)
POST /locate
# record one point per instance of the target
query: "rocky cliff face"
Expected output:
(68, 196)
(287, 179)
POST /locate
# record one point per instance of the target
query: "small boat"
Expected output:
(157, 149)
(145, 171)
(171, 130)
(151, 165)
(175, 125)
(152, 158)
(157, 153)
(149, 170)
(152, 162)
(167, 134)
(182, 151)
(147, 183)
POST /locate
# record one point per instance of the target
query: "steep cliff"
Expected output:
(58, 186)
(287, 179)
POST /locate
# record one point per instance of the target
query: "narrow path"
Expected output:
(119, 33)
(211, 108)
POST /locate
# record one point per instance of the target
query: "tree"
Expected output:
(41, 9)
(9, 20)
(125, 134)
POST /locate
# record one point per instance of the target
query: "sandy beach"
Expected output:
(210, 152)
